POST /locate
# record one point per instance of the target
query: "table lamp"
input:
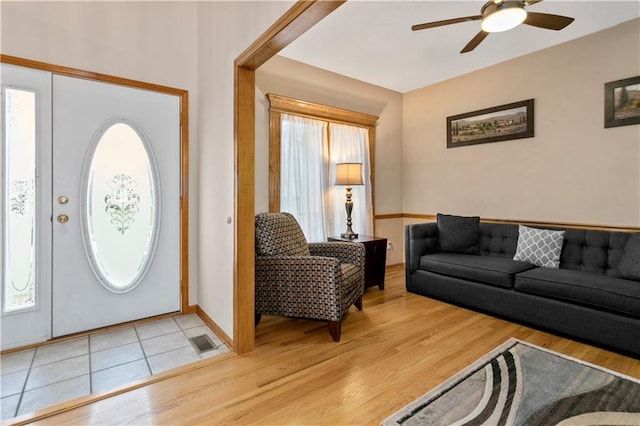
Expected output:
(349, 174)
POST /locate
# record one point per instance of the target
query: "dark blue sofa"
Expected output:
(584, 298)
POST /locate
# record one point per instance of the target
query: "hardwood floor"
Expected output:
(397, 348)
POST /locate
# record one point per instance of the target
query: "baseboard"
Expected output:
(191, 309)
(213, 326)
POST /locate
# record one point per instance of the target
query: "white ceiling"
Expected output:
(372, 41)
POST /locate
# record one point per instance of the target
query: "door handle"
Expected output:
(63, 218)
(63, 200)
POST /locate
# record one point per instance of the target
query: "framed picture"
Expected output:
(501, 123)
(622, 102)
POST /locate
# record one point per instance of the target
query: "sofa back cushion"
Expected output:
(598, 252)
(498, 239)
(629, 265)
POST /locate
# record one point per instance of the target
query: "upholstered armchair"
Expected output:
(305, 280)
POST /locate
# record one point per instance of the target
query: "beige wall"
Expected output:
(290, 78)
(573, 170)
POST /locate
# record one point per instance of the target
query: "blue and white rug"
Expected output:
(522, 384)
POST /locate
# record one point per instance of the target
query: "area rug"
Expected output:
(522, 384)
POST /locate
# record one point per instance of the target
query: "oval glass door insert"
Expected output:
(121, 214)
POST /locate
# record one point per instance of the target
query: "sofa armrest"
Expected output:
(347, 252)
(420, 239)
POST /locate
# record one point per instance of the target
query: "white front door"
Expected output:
(116, 204)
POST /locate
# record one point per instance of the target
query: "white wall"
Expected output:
(155, 42)
(225, 30)
(573, 170)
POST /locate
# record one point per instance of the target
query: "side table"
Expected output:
(375, 258)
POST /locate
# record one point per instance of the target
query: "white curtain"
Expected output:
(303, 158)
(309, 151)
(349, 144)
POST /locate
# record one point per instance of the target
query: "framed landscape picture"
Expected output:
(500, 123)
(622, 102)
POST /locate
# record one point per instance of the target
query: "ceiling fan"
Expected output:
(503, 15)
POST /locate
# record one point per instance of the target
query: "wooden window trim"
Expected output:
(279, 105)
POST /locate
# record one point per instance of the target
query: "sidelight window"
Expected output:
(19, 212)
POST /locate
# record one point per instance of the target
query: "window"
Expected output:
(19, 181)
(306, 142)
(120, 223)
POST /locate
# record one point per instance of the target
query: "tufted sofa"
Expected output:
(583, 298)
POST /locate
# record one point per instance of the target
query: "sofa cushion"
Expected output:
(498, 239)
(601, 291)
(541, 247)
(496, 271)
(629, 265)
(598, 252)
(458, 234)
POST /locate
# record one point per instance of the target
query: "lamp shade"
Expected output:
(349, 174)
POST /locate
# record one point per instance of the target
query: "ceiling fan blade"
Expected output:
(547, 21)
(434, 24)
(475, 42)
(530, 2)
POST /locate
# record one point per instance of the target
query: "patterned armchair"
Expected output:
(296, 279)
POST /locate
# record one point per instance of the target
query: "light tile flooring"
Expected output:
(49, 374)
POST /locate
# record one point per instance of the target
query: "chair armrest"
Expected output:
(347, 252)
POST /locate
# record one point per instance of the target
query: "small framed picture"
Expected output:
(622, 102)
(500, 123)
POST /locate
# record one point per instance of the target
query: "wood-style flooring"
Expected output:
(397, 348)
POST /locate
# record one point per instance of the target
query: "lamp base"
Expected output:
(349, 235)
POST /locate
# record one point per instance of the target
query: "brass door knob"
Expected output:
(63, 200)
(63, 218)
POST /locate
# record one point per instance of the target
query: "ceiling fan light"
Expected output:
(503, 19)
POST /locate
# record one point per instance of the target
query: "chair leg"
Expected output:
(358, 303)
(334, 329)
(258, 318)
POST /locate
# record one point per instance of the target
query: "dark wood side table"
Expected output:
(375, 258)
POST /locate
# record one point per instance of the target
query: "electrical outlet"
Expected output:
(389, 245)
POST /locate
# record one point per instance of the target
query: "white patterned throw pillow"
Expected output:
(540, 247)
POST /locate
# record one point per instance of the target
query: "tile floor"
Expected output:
(49, 374)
